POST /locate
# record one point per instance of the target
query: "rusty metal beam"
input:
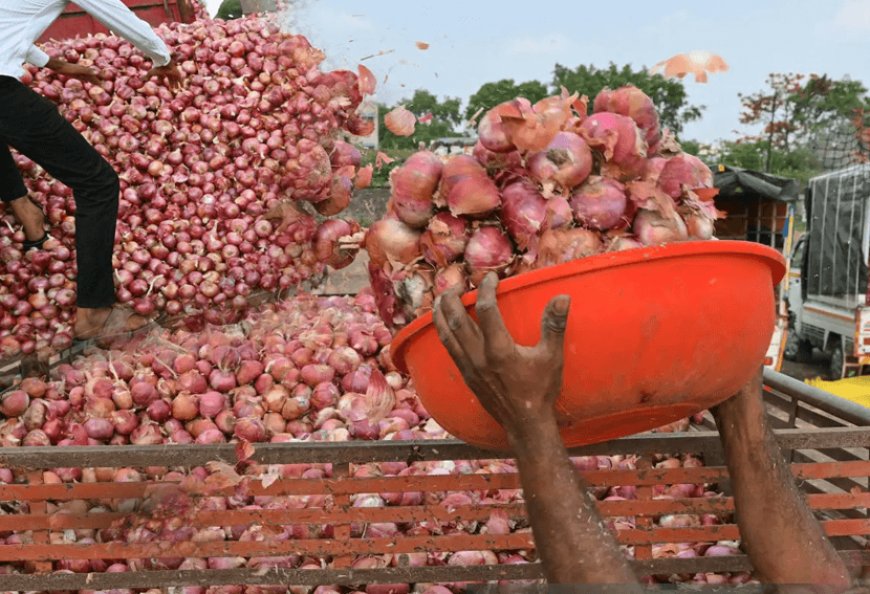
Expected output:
(839, 407)
(168, 579)
(359, 452)
(469, 482)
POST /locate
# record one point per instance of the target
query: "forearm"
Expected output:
(784, 541)
(573, 543)
(124, 22)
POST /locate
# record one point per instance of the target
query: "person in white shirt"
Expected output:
(32, 125)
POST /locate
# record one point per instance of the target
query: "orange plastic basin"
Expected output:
(653, 335)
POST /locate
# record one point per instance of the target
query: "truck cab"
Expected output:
(760, 207)
(827, 280)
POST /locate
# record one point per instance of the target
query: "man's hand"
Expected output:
(83, 73)
(170, 74)
(517, 385)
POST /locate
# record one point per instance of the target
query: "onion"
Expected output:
(600, 203)
(656, 228)
(621, 142)
(492, 134)
(684, 172)
(14, 403)
(444, 239)
(634, 103)
(564, 245)
(524, 212)
(473, 195)
(390, 240)
(487, 250)
(565, 163)
(413, 185)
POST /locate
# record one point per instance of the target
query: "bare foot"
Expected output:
(31, 218)
(93, 322)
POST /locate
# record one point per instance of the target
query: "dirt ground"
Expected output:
(816, 368)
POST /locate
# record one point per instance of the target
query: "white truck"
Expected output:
(827, 292)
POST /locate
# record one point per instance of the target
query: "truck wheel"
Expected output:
(797, 350)
(836, 369)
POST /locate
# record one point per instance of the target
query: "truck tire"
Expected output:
(837, 366)
(797, 349)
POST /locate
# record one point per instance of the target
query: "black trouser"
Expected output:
(33, 126)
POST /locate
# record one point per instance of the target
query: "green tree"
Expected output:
(229, 10)
(446, 116)
(692, 147)
(799, 162)
(493, 93)
(668, 95)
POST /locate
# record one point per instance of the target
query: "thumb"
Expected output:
(553, 324)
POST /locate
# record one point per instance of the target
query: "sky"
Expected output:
(477, 41)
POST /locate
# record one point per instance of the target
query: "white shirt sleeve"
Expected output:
(122, 21)
(37, 57)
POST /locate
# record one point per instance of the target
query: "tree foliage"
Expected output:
(668, 95)
(801, 118)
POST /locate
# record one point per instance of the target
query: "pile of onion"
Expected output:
(546, 183)
(256, 123)
(302, 370)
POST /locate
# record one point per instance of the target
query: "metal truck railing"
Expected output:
(40, 549)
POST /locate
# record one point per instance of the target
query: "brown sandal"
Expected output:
(116, 327)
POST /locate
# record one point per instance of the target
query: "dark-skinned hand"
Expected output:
(79, 71)
(169, 74)
(518, 385)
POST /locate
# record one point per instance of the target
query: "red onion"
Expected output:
(634, 103)
(600, 203)
(621, 142)
(524, 212)
(444, 239)
(564, 245)
(391, 240)
(413, 185)
(14, 403)
(684, 172)
(487, 250)
(565, 163)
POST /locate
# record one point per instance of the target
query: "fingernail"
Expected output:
(561, 305)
